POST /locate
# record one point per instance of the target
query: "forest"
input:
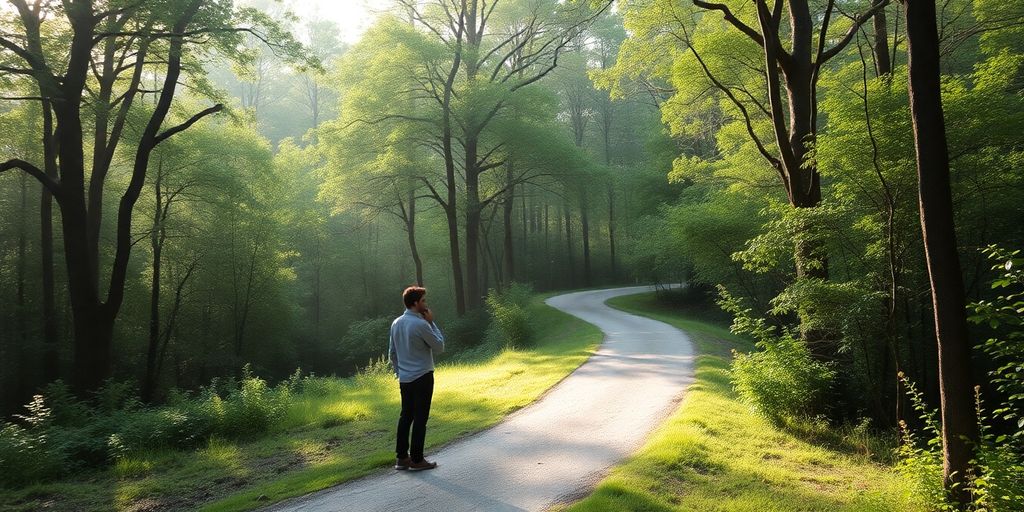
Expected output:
(210, 202)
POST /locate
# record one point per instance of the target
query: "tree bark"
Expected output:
(568, 245)
(474, 297)
(585, 231)
(959, 422)
(21, 312)
(410, 228)
(611, 230)
(509, 203)
(51, 342)
(156, 241)
(880, 43)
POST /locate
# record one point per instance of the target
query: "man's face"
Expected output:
(421, 305)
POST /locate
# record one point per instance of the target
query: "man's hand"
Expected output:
(428, 315)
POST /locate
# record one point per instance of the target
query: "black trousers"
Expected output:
(416, 397)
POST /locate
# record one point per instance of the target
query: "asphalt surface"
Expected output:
(554, 450)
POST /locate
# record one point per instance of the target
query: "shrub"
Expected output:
(314, 386)
(510, 323)
(1006, 312)
(364, 340)
(378, 366)
(781, 380)
(467, 331)
(65, 408)
(27, 453)
(997, 484)
(254, 406)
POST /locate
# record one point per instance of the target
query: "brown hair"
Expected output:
(413, 294)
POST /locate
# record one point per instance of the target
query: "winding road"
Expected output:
(556, 449)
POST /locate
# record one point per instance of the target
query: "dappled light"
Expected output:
(516, 255)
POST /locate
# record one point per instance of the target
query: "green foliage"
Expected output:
(26, 452)
(510, 320)
(466, 331)
(781, 380)
(365, 340)
(1005, 313)
(55, 440)
(997, 482)
(253, 407)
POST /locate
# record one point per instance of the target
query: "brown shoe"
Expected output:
(421, 465)
(403, 464)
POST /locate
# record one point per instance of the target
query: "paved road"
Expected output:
(556, 449)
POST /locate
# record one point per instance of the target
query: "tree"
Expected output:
(522, 47)
(752, 92)
(121, 40)
(959, 421)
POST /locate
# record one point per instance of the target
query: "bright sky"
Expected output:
(352, 16)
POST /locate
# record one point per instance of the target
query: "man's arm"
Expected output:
(392, 353)
(432, 335)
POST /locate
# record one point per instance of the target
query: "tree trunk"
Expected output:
(449, 163)
(880, 44)
(509, 203)
(568, 246)
(611, 230)
(585, 231)
(156, 241)
(473, 292)
(51, 342)
(172, 320)
(410, 228)
(21, 312)
(959, 422)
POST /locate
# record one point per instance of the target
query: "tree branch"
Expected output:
(184, 126)
(33, 171)
(727, 14)
(857, 22)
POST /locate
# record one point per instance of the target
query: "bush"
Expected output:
(998, 482)
(254, 406)
(364, 340)
(27, 453)
(377, 367)
(510, 322)
(1006, 313)
(781, 380)
(467, 331)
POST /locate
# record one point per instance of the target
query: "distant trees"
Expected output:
(729, 227)
(465, 70)
(114, 45)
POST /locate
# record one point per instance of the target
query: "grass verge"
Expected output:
(343, 432)
(716, 454)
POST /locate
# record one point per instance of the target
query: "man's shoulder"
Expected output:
(407, 318)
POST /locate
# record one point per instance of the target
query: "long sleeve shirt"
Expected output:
(413, 344)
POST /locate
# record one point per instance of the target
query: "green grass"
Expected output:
(324, 440)
(716, 454)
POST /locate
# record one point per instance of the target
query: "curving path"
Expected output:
(556, 449)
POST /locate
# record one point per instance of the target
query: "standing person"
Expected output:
(414, 340)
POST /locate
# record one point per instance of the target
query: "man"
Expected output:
(414, 339)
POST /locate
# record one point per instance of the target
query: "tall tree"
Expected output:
(780, 92)
(119, 40)
(501, 51)
(959, 422)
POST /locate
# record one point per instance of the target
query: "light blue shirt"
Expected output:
(412, 346)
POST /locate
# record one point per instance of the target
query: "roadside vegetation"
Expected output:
(717, 453)
(244, 444)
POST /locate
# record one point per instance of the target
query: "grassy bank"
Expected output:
(715, 454)
(341, 432)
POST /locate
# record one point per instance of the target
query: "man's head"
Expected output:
(415, 298)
